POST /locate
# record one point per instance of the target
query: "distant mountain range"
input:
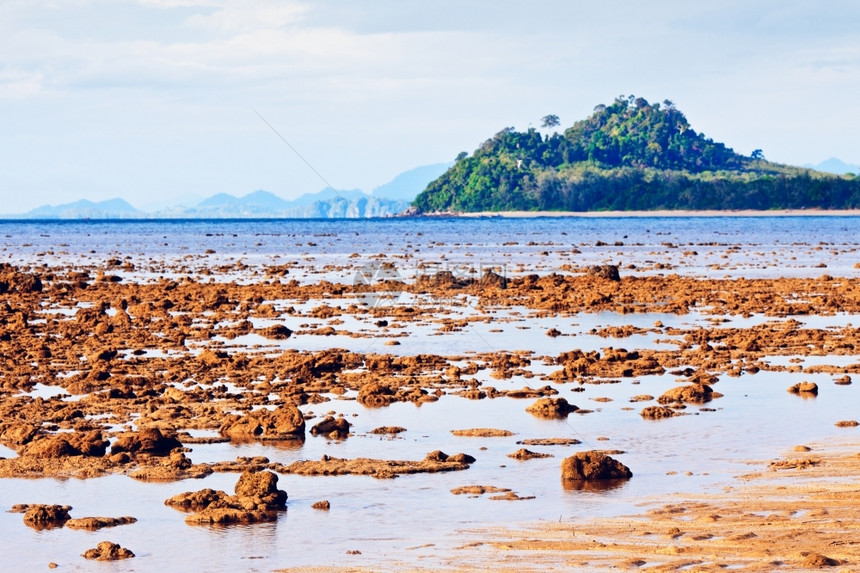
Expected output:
(386, 200)
(835, 166)
(407, 185)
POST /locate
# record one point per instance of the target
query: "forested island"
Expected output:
(629, 155)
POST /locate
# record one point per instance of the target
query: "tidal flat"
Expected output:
(402, 383)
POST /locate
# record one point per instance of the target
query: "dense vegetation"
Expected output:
(629, 155)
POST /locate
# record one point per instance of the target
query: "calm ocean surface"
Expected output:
(486, 241)
(415, 519)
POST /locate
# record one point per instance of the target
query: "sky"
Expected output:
(161, 101)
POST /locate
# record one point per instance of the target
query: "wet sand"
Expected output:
(796, 513)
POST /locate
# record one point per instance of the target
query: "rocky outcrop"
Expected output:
(374, 394)
(284, 423)
(483, 433)
(589, 466)
(336, 428)
(174, 466)
(275, 332)
(62, 445)
(551, 408)
(809, 388)
(94, 523)
(43, 516)
(256, 498)
(523, 454)
(146, 441)
(657, 412)
(17, 434)
(526, 392)
(608, 272)
(108, 551)
(690, 393)
(493, 279)
(388, 430)
(436, 461)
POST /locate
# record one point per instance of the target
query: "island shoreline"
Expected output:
(646, 214)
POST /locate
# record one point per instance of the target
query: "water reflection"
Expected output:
(593, 486)
(279, 445)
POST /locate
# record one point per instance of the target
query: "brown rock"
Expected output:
(440, 279)
(332, 427)
(257, 499)
(103, 355)
(388, 430)
(440, 456)
(68, 444)
(98, 522)
(197, 500)
(551, 408)
(276, 332)
(549, 442)
(284, 423)
(694, 393)
(147, 440)
(107, 551)
(323, 505)
(460, 458)
(44, 516)
(375, 394)
(227, 515)
(17, 434)
(483, 433)
(434, 462)
(526, 392)
(478, 489)
(818, 560)
(492, 279)
(261, 489)
(524, 454)
(657, 412)
(50, 447)
(804, 388)
(588, 466)
(608, 272)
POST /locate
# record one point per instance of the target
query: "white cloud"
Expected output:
(249, 15)
(19, 85)
(179, 3)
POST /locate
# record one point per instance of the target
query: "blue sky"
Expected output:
(154, 100)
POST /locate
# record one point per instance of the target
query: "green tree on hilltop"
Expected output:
(550, 121)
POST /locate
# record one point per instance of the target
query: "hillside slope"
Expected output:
(629, 155)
